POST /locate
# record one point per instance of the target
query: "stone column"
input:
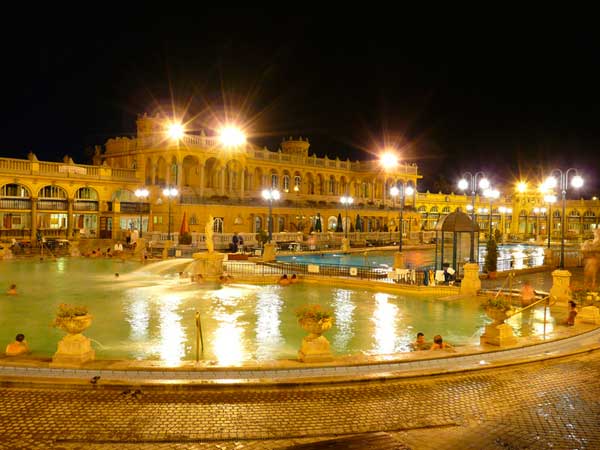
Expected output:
(242, 182)
(179, 176)
(33, 220)
(470, 283)
(69, 218)
(560, 291)
(221, 182)
(201, 190)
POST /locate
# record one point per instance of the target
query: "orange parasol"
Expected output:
(185, 228)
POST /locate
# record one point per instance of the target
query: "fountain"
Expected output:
(591, 252)
(209, 264)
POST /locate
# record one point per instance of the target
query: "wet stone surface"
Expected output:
(553, 404)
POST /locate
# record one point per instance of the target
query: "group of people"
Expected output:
(422, 344)
(237, 243)
(284, 280)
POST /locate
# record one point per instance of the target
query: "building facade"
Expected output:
(68, 200)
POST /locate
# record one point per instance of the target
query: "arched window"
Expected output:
(218, 225)
(280, 224)
(14, 190)
(274, 181)
(446, 210)
(297, 181)
(422, 209)
(86, 193)
(257, 224)
(331, 185)
(286, 183)
(364, 189)
(52, 192)
(332, 223)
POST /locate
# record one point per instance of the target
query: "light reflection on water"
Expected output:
(343, 314)
(152, 316)
(384, 318)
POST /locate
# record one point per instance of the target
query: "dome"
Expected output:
(456, 222)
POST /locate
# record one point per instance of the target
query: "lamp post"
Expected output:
(470, 181)
(170, 193)
(558, 178)
(270, 195)
(492, 194)
(141, 194)
(549, 198)
(346, 200)
(401, 191)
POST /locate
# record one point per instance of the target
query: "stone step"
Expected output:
(372, 441)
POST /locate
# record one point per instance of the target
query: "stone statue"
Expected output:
(208, 234)
(592, 245)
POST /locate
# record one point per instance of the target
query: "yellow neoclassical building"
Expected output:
(68, 200)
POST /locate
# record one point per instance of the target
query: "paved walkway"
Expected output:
(551, 404)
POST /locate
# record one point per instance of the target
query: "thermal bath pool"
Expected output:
(148, 313)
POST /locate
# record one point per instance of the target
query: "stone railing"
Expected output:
(10, 165)
(62, 170)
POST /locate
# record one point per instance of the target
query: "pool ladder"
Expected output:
(199, 337)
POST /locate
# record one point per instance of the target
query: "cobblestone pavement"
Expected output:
(552, 404)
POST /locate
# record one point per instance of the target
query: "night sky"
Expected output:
(511, 98)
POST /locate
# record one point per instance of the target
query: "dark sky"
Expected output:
(511, 97)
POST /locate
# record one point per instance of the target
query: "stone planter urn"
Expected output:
(75, 324)
(497, 315)
(74, 349)
(498, 332)
(315, 346)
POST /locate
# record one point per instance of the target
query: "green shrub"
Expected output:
(491, 258)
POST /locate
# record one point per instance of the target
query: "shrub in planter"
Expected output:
(185, 239)
(491, 258)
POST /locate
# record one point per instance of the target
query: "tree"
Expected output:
(491, 258)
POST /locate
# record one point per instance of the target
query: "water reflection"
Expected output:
(172, 340)
(384, 318)
(228, 338)
(531, 322)
(343, 309)
(268, 322)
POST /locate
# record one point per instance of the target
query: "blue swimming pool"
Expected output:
(515, 256)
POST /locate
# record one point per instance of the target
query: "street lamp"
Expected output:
(346, 200)
(175, 131)
(270, 195)
(470, 181)
(492, 194)
(141, 194)
(558, 178)
(170, 193)
(401, 191)
(549, 198)
(231, 136)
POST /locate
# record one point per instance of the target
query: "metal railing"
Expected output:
(411, 277)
